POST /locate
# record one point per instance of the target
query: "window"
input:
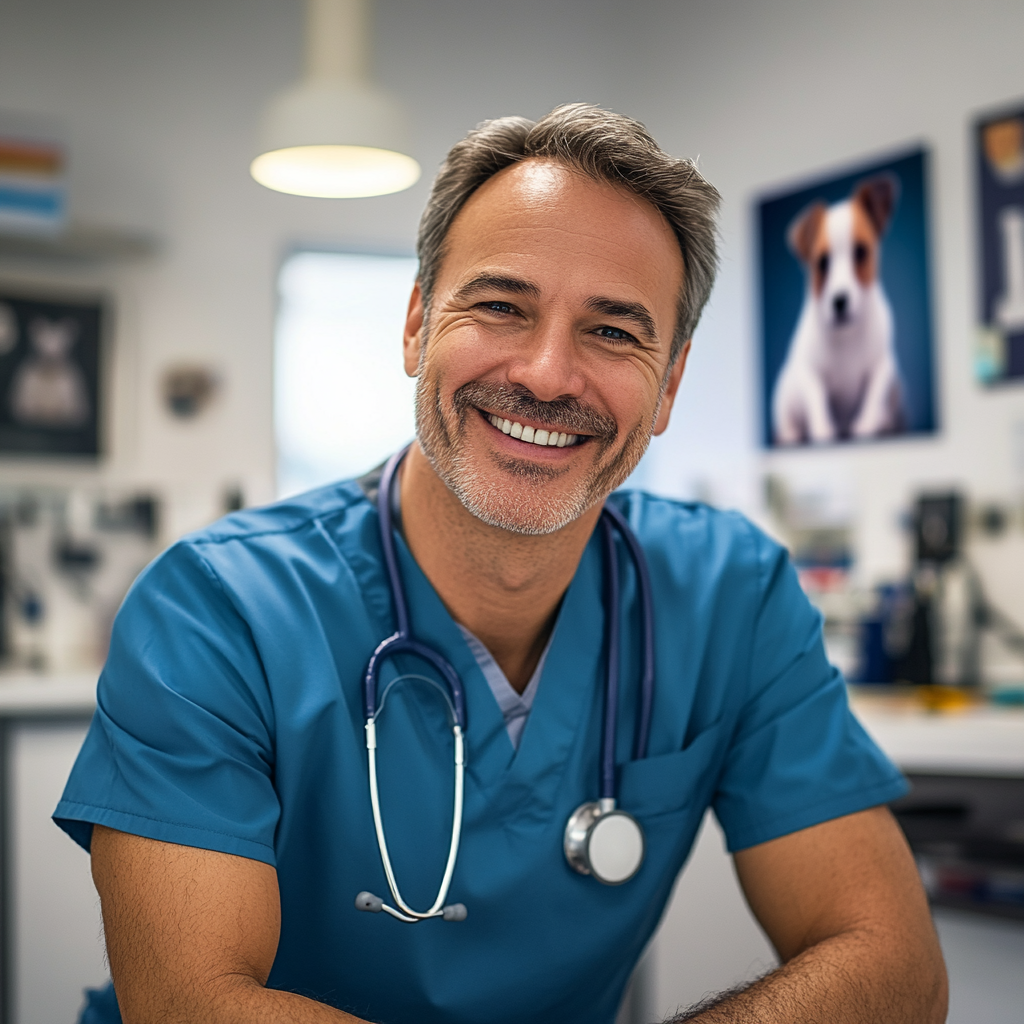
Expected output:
(342, 401)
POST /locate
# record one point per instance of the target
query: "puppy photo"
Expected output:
(840, 379)
(847, 348)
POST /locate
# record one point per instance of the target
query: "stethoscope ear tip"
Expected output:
(374, 904)
(454, 912)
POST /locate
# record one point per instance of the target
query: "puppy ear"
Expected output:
(878, 197)
(804, 230)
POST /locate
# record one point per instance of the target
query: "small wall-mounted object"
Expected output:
(50, 372)
(188, 389)
(33, 176)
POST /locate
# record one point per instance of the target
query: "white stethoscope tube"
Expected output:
(405, 912)
(366, 900)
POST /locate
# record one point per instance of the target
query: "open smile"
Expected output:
(545, 437)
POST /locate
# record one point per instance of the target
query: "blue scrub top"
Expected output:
(230, 717)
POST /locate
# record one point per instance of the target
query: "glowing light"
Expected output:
(335, 172)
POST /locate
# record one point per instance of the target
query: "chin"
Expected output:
(506, 507)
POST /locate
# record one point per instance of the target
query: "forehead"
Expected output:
(539, 216)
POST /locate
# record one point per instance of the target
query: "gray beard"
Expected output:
(511, 508)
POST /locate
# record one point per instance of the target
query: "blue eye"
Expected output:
(613, 334)
(498, 307)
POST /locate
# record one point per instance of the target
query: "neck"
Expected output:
(504, 587)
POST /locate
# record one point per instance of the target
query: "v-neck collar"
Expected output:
(500, 779)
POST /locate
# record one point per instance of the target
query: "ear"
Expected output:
(878, 197)
(675, 376)
(804, 230)
(412, 338)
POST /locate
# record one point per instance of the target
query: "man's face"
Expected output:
(552, 315)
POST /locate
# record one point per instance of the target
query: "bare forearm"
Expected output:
(851, 978)
(235, 1000)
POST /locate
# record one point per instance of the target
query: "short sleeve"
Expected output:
(798, 756)
(181, 745)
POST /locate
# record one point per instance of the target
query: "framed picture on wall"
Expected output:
(846, 327)
(999, 145)
(50, 373)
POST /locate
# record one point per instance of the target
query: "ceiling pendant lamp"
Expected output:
(334, 134)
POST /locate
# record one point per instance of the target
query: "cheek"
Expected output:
(460, 353)
(630, 395)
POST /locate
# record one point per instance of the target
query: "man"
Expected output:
(224, 783)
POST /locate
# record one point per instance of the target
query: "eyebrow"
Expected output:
(497, 282)
(635, 312)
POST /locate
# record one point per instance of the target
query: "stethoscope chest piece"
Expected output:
(604, 842)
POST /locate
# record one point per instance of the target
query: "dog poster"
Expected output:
(49, 376)
(999, 352)
(846, 307)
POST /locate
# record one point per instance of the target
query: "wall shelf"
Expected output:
(79, 245)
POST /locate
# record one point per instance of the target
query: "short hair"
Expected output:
(605, 146)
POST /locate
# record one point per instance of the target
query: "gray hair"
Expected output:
(604, 146)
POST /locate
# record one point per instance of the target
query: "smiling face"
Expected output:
(544, 369)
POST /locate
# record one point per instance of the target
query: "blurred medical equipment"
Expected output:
(67, 558)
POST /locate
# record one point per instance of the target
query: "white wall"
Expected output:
(163, 99)
(771, 92)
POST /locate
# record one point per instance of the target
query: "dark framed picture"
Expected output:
(999, 145)
(846, 325)
(50, 374)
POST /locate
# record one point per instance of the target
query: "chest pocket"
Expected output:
(670, 782)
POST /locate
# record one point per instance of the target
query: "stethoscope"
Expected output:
(600, 839)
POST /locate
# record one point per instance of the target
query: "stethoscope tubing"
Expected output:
(402, 642)
(639, 560)
(405, 912)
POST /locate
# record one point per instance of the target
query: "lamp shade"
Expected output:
(334, 139)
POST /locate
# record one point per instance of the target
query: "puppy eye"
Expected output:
(823, 264)
(860, 254)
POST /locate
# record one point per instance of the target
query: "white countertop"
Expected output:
(27, 693)
(976, 740)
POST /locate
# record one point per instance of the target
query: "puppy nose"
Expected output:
(841, 306)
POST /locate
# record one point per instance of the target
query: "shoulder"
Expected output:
(267, 544)
(289, 516)
(691, 534)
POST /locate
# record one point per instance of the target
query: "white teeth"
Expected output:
(533, 435)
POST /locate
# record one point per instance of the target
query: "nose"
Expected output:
(841, 306)
(549, 364)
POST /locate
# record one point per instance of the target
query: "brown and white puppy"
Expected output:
(840, 379)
